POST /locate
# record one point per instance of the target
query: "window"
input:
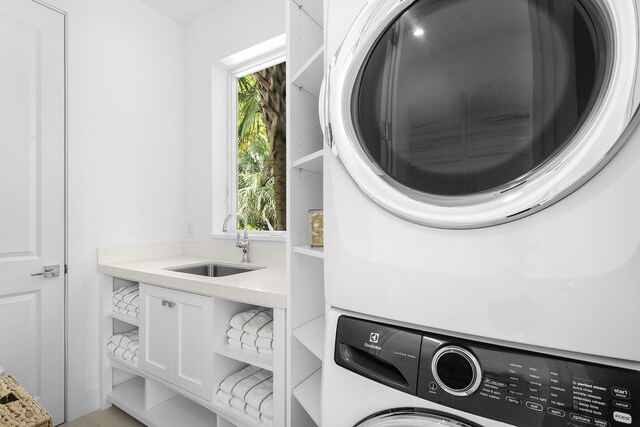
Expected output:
(258, 146)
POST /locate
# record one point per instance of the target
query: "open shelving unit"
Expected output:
(305, 153)
(158, 402)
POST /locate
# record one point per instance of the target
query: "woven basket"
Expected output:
(18, 408)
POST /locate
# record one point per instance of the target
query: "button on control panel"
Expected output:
(622, 417)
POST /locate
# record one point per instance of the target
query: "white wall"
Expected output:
(232, 27)
(128, 183)
(126, 155)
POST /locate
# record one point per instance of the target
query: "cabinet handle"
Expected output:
(169, 304)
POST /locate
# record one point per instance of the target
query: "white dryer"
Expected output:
(485, 169)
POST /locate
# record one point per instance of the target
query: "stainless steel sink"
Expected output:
(212, 270)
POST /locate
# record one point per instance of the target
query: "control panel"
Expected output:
(513, 386)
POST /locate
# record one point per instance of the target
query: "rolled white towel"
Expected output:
(250, 347)
(260, 397)
(232, 401)
(127, 340)
(126, 312)
(122, 352)
(127, 306)
(227, 384)
(266, 331)
(253, 321)
(246, 384)
(250, 339)
(258, 416)
(128, 294)
(242, 345)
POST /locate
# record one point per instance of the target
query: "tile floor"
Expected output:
(112, 417)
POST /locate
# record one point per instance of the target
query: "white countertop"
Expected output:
(266, 286)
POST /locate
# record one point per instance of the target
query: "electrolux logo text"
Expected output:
(374, 337)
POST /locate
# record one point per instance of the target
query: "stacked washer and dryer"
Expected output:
(482, 211)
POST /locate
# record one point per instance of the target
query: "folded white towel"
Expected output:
(128, 294)
(240, 405)
(122, 352)
(258, 416)
(126, 305)
(232, 401)
(128, 340)
(267, 330)
(249, 347)
(250, 339)
(255, 321)
(127, 312)
(229, 382)
(241, 386)
(260, 397)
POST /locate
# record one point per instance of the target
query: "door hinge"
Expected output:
(66, 269)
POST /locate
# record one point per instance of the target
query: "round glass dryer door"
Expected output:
(410, 417)
(469, 113)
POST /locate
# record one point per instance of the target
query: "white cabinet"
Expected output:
(183, 356)
(176, 335)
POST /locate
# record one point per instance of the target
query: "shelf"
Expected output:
(310, 163)
(308, 394)
(237, 417)
(177, 411)
(309, 251)
(264, 361)
(122, 364)
(126, 319)
(311, 335)
(309, 77)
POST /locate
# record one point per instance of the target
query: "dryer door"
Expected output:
(469, 113)
(410, 417)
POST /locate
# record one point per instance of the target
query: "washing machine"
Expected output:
(481, 170)
(390, 374)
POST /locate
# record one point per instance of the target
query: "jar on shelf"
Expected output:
(316, 228)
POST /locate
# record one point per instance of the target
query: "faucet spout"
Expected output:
(244, 243)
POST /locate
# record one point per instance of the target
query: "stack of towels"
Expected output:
(251, 391)
(252, 330)
(125, 346)
(126, 301)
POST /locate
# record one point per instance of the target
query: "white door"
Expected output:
(192, 354)
(156, 331)
(32, 135)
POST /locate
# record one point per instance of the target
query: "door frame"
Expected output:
(65, 195)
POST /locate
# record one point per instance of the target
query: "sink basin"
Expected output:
(212, 270)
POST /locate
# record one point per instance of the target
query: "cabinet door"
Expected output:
(156, 331)
(193, 351)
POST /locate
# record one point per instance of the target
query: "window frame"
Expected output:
(250, 66)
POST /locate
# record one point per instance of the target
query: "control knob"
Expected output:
(456, 370)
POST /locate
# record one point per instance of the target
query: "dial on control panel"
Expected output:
(456, 370)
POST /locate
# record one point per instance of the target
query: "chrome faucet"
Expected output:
(244, 243)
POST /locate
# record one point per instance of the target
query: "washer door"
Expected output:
(412, 417)
(469, 113)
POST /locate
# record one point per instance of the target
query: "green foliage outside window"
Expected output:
(261, 177)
